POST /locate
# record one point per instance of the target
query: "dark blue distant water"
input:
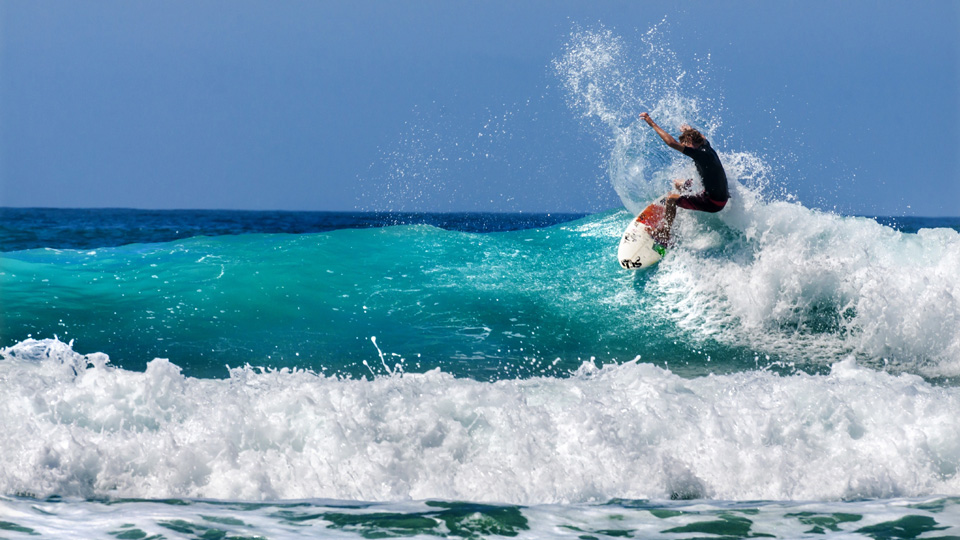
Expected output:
(63, 228)
(82, 228)
(912, 224)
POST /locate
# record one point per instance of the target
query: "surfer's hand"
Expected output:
(681, 184)
(646, 117)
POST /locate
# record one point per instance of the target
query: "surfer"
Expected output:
(715, 194)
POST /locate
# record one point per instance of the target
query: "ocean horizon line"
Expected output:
(414, 212)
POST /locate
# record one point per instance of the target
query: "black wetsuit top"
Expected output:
(711, 171)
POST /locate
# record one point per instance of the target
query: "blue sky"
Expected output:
(329, 105)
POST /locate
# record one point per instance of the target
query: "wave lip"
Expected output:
(78, 427)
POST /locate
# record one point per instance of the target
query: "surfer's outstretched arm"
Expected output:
(667, 138)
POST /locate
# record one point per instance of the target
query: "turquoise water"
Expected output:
(518, 303)
(485, 306)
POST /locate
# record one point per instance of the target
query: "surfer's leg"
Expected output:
(662, 234)
(701, 203)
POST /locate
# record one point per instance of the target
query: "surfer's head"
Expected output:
(691, 137)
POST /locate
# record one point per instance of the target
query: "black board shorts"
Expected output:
(700, 202)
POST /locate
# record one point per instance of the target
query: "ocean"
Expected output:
(784, 372)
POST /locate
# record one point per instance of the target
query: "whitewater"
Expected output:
(77, 427)
(783, 372)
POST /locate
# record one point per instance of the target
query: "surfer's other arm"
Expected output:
(667, 138)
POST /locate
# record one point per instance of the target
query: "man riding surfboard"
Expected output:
(715, 192)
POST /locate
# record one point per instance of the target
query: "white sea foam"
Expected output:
(76, 426)
(781, 278)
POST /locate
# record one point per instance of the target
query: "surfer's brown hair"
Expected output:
(693, 137)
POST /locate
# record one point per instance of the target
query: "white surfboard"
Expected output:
(638, 249)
